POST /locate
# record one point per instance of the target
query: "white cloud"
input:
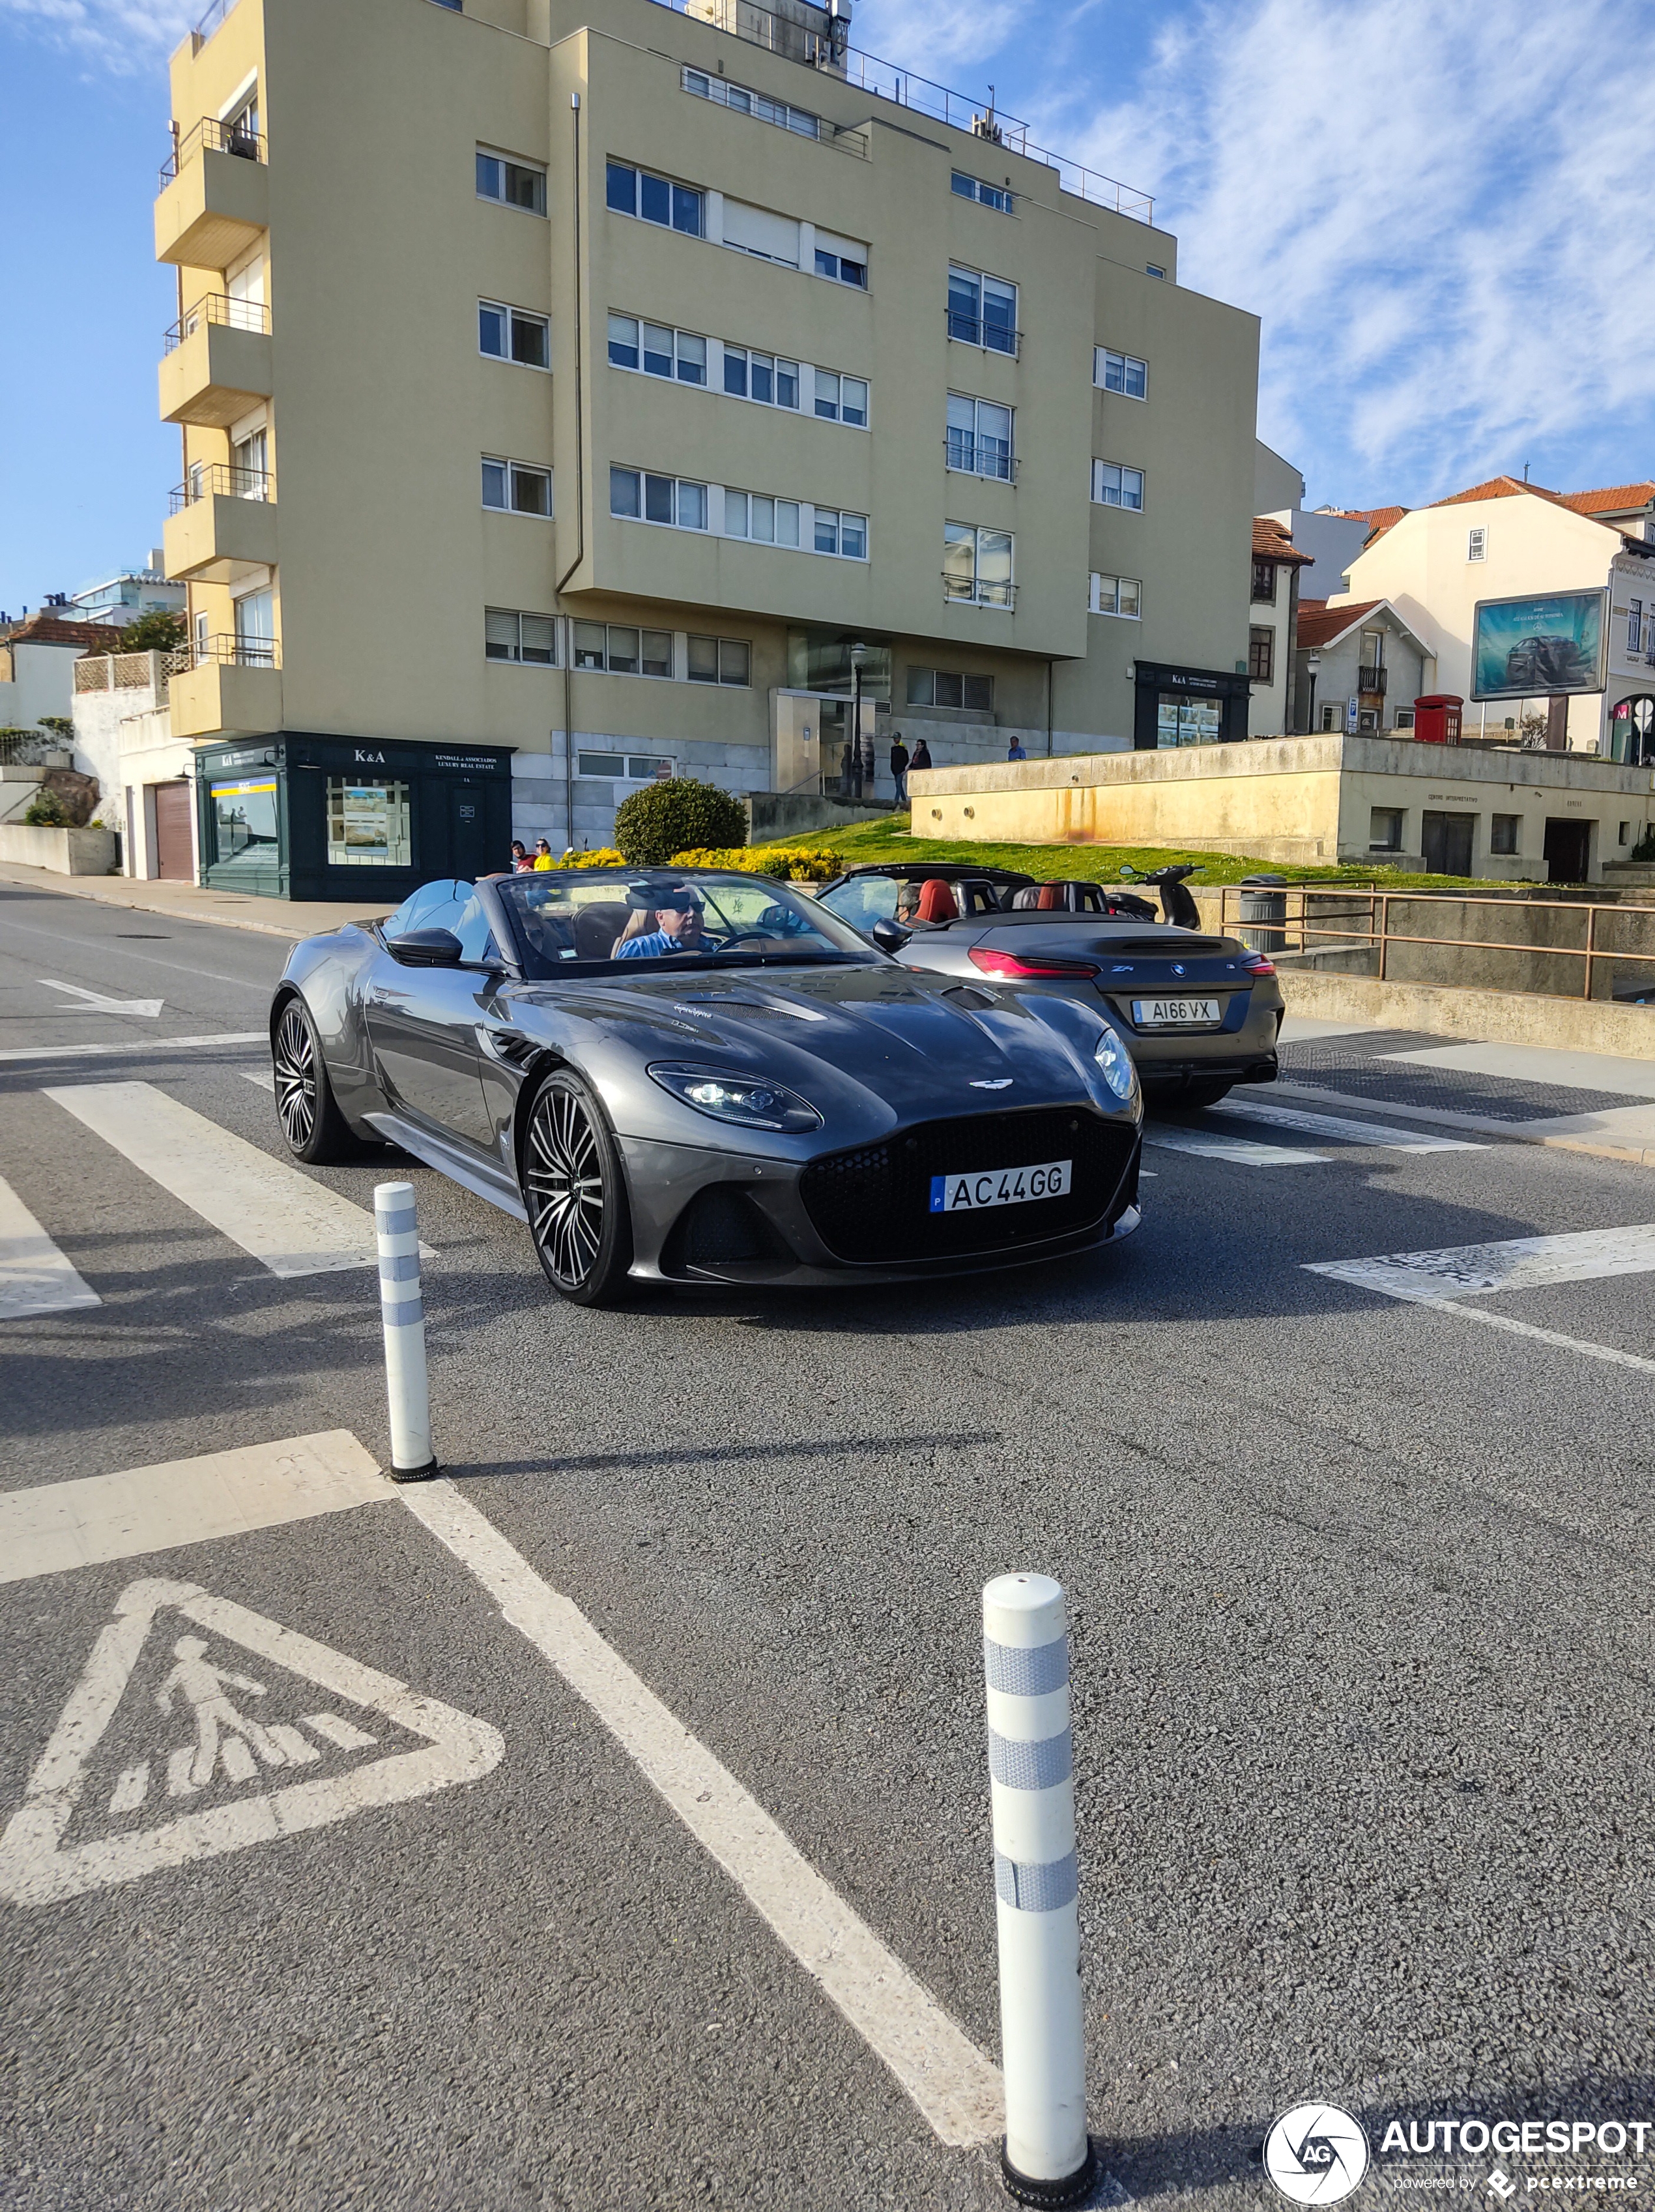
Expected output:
(1434, 205)
(121, 35)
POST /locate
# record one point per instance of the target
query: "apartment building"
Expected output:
(570, 403)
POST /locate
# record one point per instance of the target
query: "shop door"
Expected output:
(469, 856)
(1447, 839)
(174, 860)
(1568, 852)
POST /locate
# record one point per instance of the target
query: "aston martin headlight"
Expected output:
(748, 1101)
(1116, 1062)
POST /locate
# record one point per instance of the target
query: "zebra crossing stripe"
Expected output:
(1245, 1152)
(35, 1277)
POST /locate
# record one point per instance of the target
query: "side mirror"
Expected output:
(426, 948)
(890, 936)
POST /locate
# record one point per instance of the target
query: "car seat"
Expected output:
(596, 928)
(1052, 896)
(937, 902)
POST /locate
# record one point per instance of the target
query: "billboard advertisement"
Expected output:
(1537, 647)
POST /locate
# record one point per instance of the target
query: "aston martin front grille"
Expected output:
(873, 1205)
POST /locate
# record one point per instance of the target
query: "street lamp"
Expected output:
(859, 654)
(1313, 662)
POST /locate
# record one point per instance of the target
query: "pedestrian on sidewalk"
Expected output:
(921, 756)
(1015, 750)
(899, 769)
(520, 861)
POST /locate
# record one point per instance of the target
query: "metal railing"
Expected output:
(31, 749)
(210, 135)
(219, 308)
(1371, 680)
(800, 42)
(225, 651)
(801, 121)
(209, 22)
(972, 591)
(1360, 918)
(980, 457)
(972, 330)
(129, 671)
(221, 480)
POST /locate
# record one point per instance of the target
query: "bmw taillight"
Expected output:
(1255, 964)
(1012, 965)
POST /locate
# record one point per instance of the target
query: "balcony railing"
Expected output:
(1372, 681)
(980, 457)
(974, 591)
(815, 48)
(212, 137)
(229, 651)
(974, 330)
(129, 671)
(220, 307)
(221, 480)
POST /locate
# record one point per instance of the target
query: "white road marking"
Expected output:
(147, 1044)
(97, 1003)
(1379, 1134)
(1242, 1150)
(35, 1277)
(1607, 1351)
(263, 1077)
(292, 1226)
(956, 2089)
(183, 1501)
(1520, 1263)
(36, 1867)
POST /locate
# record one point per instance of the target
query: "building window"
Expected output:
(1385, 830)
(1150, 270)
(741, 101)
(512, 183)
(655, 199)
(618, 649)
(1503, 830)
(841, 398)
(513, 334)
(1405, 718)
(982, 310)
(636, 496)
(1635, 625)
(727, 660)
(979, 437)
(1333, 718)
(1115, 486)
(1117, 595)
(1261, 655)
(948, 687)
(368, 824)
(515, 487)
(755, 515)
(628, 768)
(761, 376)
(1367, 721)
(845, 535)
(1477, 545)
(1264, 582)
(679, 355)
(1120, 371)
(976, 565)
(842, 261)
(509, 637)
(974, 188)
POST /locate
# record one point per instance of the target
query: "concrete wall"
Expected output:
(41, 681)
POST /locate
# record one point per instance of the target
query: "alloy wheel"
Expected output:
(296, 1077)
(563, 1183)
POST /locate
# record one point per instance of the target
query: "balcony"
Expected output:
(978, 331)
(218, 363)
(1370, 681)
(980, 457)
(214, 197)
(222, 525)
(978, 590)
(233, 690)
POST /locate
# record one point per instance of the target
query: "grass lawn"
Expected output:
(889, 840)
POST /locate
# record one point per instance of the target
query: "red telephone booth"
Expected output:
(1436, 719)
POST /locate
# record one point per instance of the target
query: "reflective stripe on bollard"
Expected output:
(404, 1315)
(1046, 2158)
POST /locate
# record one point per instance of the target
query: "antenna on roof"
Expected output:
(1525, 473)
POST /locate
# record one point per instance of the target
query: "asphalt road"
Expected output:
(1361, 1657)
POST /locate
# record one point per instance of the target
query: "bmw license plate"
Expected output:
(975, 1194)
(1177, 1013)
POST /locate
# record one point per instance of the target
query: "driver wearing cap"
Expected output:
(678, 926)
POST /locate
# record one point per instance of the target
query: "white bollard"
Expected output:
(404, 1315)
(1046, 2157)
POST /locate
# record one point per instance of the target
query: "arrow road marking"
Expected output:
(96, 1003)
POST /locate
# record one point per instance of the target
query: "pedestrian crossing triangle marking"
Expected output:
(36, 1867)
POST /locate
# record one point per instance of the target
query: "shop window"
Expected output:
(368, 823)
(1504, 829)
(1385, 830)
(245, 821)
(1181, 720)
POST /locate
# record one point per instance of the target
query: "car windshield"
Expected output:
(863, 900)
(645, 917)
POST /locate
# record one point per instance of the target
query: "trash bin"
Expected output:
(1436, 719)
(1260, 905)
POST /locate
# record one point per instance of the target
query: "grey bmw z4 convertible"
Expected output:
(707, 1079)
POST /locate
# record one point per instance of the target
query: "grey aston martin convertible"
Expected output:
(707, 1079)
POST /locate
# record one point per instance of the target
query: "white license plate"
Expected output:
(975, 1194)
(1177, 1013)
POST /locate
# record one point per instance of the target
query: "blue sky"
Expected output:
(1433, 204)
